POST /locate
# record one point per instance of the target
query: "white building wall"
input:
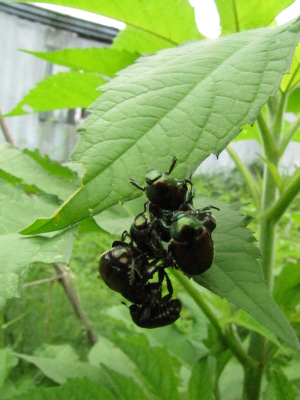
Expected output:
(19, 72)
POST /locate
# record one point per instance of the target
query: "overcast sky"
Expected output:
(206, 16)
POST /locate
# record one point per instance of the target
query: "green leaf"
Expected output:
(279, 387)
(106, 353)
(61, 364)
(186, 349)
(200, 384)
(124, 388)
(63, 90)
(239, 15)
(75, 389)
(248, 132)
(17, 210)
(103, 61)
(140, 114)
(189, 101)
(236, 274)
(244, 320)
(154, 365)
(293, 78)
(287, 287)
(7, 362)
(173, 20)
(135, 40)
(31, 169)
(118, 218)
(53, 167)
(293, 102)
(296, 217)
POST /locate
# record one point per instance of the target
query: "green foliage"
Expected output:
(63, 90)
(190, 100)
(131, 117)
(103, 61)
(60, 363)
(74, 389)
(201, 381)
(30, 169)
(240, 15)
(17, 208)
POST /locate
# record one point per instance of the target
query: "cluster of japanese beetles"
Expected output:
(169, 232)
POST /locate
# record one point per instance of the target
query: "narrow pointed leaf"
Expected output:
(103, 61)
(239, 15)
(189, 101)
(63, 90)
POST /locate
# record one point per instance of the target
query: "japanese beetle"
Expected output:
(161, 220)
(191, 244)
(145, 237)
(156, 311)
(165, 191)
(123, 272)
(159, 314)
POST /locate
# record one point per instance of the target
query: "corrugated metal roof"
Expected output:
(83, 28)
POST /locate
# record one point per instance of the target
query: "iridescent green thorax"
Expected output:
(186, 228)
(152, 176)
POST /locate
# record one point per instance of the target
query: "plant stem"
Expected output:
(265, 135)
(74, 300)
(287, 196)
(13, 321)
(288, 135)
(267, 234)
(46, 280)
(6, 131)
(226, 337)
(244, 170)
(276, 128)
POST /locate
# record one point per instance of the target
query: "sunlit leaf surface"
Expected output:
(189, 101)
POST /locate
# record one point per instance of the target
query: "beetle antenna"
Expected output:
(172, 165)
(134, 183)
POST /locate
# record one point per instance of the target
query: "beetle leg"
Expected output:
(191, 191)
(125, 235)
(208, 208)
(143, 212)
(168, 296)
